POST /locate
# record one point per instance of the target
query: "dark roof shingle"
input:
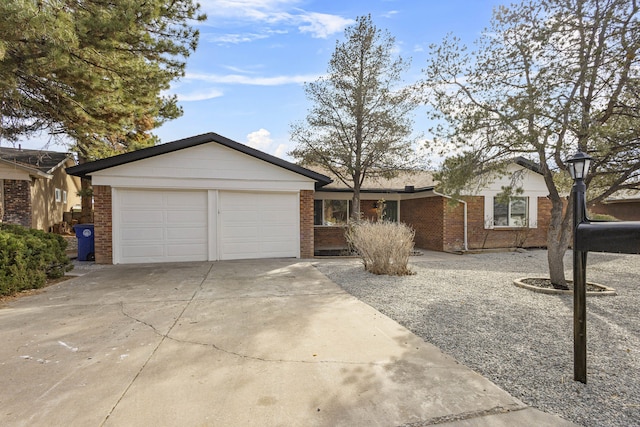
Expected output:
(44, 161)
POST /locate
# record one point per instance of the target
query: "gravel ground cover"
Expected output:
(521, 340)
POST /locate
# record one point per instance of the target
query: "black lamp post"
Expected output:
(578, 168)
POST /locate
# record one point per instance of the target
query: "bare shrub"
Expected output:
(384, 246)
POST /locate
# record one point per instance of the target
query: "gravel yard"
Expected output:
(521, 340)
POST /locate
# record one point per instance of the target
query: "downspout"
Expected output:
(464, 205)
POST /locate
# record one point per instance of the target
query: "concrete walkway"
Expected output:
(239, 343)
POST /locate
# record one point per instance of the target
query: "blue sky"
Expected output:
(246, 79)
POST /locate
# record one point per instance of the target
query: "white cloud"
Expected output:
(234, 38)
(321, 25)
(281, 151)
(263, 141)
(260, 139)
(200, 95)
(390, 14)
(271, 12)
(251, 80)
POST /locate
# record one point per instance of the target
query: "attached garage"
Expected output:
(203, 198)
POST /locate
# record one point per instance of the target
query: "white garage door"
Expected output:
(258, 225)
(161, 226)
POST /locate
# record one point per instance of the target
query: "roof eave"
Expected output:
(86, 169)
(378, 190)
(33, 172)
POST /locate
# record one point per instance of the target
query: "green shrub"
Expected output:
(28, 257)
(384, 246)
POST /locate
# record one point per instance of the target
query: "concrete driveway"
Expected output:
(241, 343)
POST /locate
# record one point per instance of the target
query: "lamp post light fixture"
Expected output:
(578, 168)
(579, 165)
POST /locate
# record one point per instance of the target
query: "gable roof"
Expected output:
(36, 162)
(86, 169)
(42, 160)
(406, 181)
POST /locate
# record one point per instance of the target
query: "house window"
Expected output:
(331, 212)
(64, 196)
(58, 195)
(511, 213)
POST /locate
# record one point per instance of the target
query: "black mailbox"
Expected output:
(617, 237)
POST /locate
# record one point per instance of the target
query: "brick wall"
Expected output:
(453, 226)
(329, 238)
(625, 211)
(17, 202)
(102, 216)
(482, 238)
(426, 217)
(306, 224)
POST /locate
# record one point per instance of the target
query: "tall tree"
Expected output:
(548, 77)
(92, 70)
(359, 125)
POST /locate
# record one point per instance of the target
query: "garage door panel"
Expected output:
(152, 234)
(157, 226)
(278, 232)
(176, 252)
(258, 225)
(185, 217)
(186, 199)
(241, 232)
(134, 252)
(137, 198)
(142, 217)
(242, 217)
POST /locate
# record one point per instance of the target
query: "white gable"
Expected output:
(203, 166)
(519, 177)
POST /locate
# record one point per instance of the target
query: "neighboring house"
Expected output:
(622, 205)
(209, 198)
(479, 221)
(35, 190)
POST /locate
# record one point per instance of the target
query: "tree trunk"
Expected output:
(355, 204)
(86, 201)
(558, 238)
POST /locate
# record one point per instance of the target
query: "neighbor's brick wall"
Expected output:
(425, 216)
(306, 224)
(626, 211)
(102, 220)
(17, 202)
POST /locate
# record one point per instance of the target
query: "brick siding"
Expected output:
(426, 217)
(625, 211)
(306, 224)
(103, 224)
(329, 238)
(439, 226)
(453, 226)
(17, 202)
(483, 238)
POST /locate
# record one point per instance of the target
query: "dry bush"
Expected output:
(384, 246)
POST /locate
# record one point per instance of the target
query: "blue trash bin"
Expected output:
(86, 248)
